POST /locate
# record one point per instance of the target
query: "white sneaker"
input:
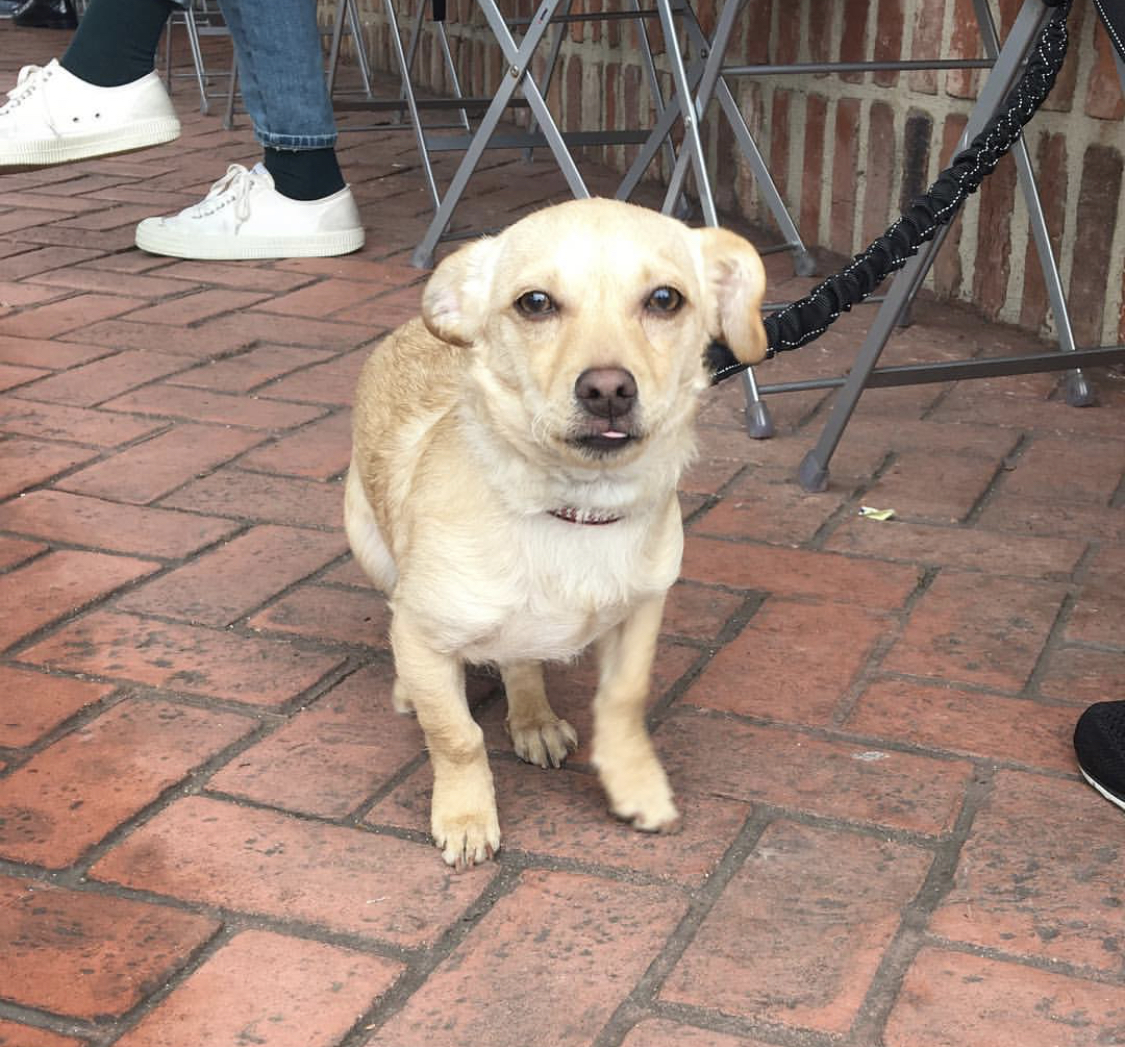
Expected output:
(243, 216)
(52, 117)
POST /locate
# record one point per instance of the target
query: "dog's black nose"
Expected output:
(606, 392)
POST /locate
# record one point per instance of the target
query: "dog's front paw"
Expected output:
(545, 744)
(464, 823)
(467, 840)
(643, 798)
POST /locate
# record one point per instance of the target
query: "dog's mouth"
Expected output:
(608, 438)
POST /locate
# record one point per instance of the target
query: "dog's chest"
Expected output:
(555, 588)
(536, 632)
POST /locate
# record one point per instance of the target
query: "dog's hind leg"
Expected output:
(538, 735)
(623, 752)
(372, 554)
(368, 546)
(463, 816)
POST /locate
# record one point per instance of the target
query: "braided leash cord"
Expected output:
(806, 319)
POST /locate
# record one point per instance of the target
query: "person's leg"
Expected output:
(304, 174)
(102, 98)
(281, 70)
(296, 203)
(116, 41)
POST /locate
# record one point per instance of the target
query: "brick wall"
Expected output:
(847, 150)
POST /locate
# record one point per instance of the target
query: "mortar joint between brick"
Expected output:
(524, 860)
(1055, 640)
(190, 964)
(357, 815)
(1093, 645)
(1041, 963)
(33, 558)
(910, 936)
(935, 404)
(850, 506)
(242, 620)
(53, 1023)
(868, 672)
(886, 984)
(942, 872)
(662, 706)
(17, 756)
(996, 482)
(755, 1028)
(1117, 499)
(188, 785)
(145, 692)
(1081, 573)
(415, 976)
(700, 904)
(239, 920)
(836, 823)
(708, 502)
(988, 763)
(11, 653)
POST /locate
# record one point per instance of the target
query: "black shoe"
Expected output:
(1099, 744)
(46, 14)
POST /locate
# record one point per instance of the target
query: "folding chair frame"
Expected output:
(814, 469)
(544, 131)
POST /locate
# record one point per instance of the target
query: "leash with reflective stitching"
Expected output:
(806, 319)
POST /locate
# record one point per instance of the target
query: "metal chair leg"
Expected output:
(518, 58)
(356, 26)
(232, 89)
(411, 103)
(813, 471)
(197, 58)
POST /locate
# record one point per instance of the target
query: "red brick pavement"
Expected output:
(212, 825)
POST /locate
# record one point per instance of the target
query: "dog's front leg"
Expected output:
(538, 735)
(623, 753)
(463, 812)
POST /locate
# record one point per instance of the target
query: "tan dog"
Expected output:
(513, 483)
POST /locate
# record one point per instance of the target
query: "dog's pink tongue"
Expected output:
(613, 434)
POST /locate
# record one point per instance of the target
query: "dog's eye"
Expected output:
(664, 300)
(535, 303)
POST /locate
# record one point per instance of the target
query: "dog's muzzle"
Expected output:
(607, 396)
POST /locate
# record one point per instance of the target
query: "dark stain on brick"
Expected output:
(917, 137)
(1101, 181)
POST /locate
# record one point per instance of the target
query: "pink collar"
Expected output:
(582, 516)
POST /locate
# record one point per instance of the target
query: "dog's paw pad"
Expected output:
(546, 744)
(467, 841)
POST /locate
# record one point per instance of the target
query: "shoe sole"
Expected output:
(82, 147)
(1111, 796)
(233, 248)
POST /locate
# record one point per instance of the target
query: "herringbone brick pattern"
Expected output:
(212, 825)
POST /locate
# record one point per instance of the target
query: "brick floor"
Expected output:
(213, 828)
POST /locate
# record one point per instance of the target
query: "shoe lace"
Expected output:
(26, 82)
(236, 185)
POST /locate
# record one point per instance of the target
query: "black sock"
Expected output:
(116, 40)
(304, 174)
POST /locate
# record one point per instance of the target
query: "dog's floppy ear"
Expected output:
(735, 281)
(455, 301)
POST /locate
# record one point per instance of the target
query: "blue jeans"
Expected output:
(281, 72)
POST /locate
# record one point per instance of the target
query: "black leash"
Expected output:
(802, 321)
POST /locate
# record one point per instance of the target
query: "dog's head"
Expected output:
(589, 321)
